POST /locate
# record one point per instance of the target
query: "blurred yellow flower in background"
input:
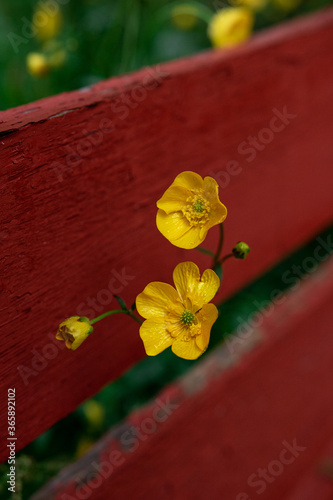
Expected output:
(94, 413)
(85, 444)
(231, 26)
(252, 4)
(46, 22)
(74, 331)
(188, 209)
(180, 317)
(37, 64)
(287, 5)
(184, 16)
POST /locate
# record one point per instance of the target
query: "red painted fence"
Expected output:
(80, 176)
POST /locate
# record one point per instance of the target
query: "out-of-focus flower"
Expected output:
(184, 16)
(47, 24)
(37, 64)
(94, 413)
(56, 53)
(287, 5)
(231, 26)
(84, 445)
(181, 317)
(241, 250)
(74, 331)
(252, 4)
(58, 58)
(188, 209)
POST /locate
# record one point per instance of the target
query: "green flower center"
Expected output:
(187, 318)
(197, 209)
(198, 206)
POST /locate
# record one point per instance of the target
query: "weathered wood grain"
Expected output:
(80, 175)
(230, 419)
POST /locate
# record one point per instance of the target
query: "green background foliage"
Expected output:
(103, 38)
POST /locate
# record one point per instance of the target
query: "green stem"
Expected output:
(117, 311)
(219, 247)
(226, 257)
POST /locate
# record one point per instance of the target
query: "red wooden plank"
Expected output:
(232, 419)
(78, 219)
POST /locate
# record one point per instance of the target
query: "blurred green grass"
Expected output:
(102, 39)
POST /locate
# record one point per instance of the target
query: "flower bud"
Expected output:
(74, 331)
(240, 250)
(37, 64)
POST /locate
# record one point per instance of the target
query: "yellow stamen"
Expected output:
(197, 210)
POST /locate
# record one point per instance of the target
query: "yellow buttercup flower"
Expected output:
(231, 26)
(188, 209)
(180, 317)
(94, 413)
(74, 331)
(47, 23)
(37, 64)
(184, 16)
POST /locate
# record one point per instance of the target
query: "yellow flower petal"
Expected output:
(186, 277)
(172, 226)
(77, 342)
(193, 238)
(173, 323)
(189, 180)
(155, 337)
(186, 349)
(156, 300)
(174, 199)
(207, 317)
(218, 210)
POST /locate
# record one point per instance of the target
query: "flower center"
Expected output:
(197, 210)
(66, 333)
(187, 318)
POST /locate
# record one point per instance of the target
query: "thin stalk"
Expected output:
(226, 257)
(219, 247)
(117, 311)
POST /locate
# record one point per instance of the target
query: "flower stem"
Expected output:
(219, 247)
(226, 257)
(117, 311)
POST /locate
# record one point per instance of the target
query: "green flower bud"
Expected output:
(240, 250)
